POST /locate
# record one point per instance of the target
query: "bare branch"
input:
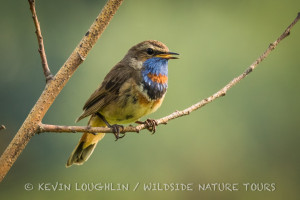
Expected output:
(222, 92)
(39, 36)
(31, 124)
(74, 129)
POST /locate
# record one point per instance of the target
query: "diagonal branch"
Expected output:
(39, 36)
(31, 124)
(222, 92)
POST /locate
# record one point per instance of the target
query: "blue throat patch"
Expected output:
(155, 67)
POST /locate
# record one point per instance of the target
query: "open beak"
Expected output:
(167, 55)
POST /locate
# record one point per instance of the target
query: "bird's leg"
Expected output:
(115, 127)
(150, 124)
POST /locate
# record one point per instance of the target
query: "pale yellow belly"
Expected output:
(129, 108)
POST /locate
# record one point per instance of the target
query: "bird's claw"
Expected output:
(150, 124)
(116, 131)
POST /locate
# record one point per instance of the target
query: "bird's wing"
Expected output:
(108, 91)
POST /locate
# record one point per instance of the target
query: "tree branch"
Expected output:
(31, 124)
(222, 92)
(39, 36)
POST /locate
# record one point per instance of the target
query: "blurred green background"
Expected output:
(249, 136)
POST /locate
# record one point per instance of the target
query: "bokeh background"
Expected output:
(249, 136)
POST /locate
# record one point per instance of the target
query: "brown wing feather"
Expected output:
(108, 90)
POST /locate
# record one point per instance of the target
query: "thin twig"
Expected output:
(39, 36)
(222, 92)
(31, 124)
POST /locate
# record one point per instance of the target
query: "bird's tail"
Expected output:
(87, 144)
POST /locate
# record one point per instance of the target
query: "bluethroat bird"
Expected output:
(133, 88)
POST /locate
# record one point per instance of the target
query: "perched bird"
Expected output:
(133, 88)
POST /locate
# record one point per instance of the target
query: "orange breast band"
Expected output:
(158, 78)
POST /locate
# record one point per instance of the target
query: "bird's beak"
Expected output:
(167, 55)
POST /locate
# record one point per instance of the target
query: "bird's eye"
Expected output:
(150, 51)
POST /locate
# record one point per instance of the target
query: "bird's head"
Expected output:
(151, 52)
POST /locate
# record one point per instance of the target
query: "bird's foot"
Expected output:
(116, 130)
(115, 127)
(150, 124)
